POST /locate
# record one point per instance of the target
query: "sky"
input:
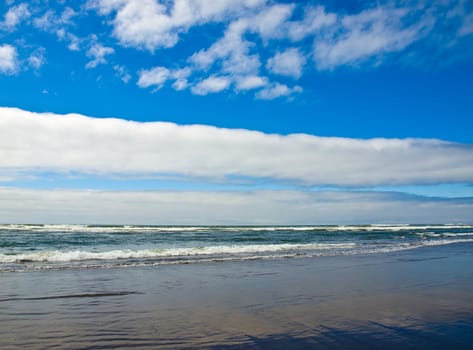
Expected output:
(236, 112)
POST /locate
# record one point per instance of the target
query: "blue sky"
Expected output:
(373, 85)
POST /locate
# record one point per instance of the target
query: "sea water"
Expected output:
(43, 247)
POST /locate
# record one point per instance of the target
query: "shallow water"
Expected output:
(40, 247)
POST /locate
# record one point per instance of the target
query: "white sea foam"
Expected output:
(126, 258)
(459, 234)
(78, 255)
(137, 229)
(249, 251)
(444, 234)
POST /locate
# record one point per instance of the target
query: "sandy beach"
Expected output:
(415, 299)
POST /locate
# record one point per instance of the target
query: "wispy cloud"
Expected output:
(8, 59)
(256, 45)
(30, 141)
(97, 52)
(211, 85)
(364, 38)
(151, 25)
(14, 16)
(59, 23)
(316, 18)
(277, 90)
(158, 76)
(122, 73)
(250, 82)
(37, 59)
(366, 35)
(289, 62)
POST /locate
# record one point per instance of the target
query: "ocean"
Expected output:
(227, 287)
(58, 247)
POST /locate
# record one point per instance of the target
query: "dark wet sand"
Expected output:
(416, 299)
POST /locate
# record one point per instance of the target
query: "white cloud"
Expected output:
(150, 24)
(232, 54)
(210, 85)
(31, 141)
(36, 59)
(236, 63)
(180, 84)
(122, 73)
(14, 16)
(98, 52)
(269, 23)
(59, 24)
(276, 90)
(8, 59)
(467, 25)
(234, 51)
(51, 21)
(250, 82)
(461, 15)
(158, 76)
(315, 19)
(251, 28)
(225, 208)
(289, 63)
(365, 35)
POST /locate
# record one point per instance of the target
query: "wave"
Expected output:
(249, 251)
(136, 229)
(78, 255)
(444, 234)
(57, 260)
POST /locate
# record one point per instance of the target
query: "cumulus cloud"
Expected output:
(122, 73)
(158, 76)
(37, 59)
(30, 141)
(51, 21)
(8, 59)
(289, 63)
(225, 208)
(59, 23)
(150, 24)
(250, 32)
(254, 28)
(210, 85)
(276, 90)
(232, 54)
(250, 82)
(233, 51)
(98, 52)
(14, 16)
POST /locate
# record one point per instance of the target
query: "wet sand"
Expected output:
(414, 299)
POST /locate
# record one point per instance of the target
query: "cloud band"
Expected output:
(31, 141)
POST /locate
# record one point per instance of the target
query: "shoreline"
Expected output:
(171, 260)
(386, 300)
